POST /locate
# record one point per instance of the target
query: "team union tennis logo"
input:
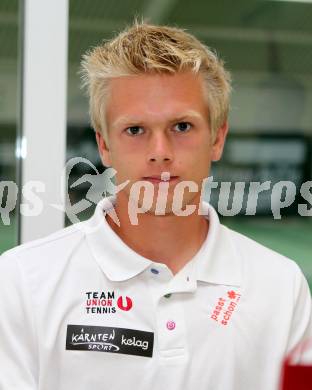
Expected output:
(225, 307)
(105, 302)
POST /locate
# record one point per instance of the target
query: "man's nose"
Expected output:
(160, 148)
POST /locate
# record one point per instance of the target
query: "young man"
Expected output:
(172, 300)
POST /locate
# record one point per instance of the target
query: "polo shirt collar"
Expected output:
(117, 260)
(217, 261)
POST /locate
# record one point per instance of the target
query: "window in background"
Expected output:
(267, 46)
(8, 120)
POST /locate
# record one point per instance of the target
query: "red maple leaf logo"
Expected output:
(231, 294)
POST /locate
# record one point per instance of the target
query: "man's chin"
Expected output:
(168, 208)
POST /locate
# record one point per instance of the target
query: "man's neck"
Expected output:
(170, 239)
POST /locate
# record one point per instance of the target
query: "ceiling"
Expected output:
(250, 35)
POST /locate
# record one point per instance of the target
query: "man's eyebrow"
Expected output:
(129, 120)
(125, 120)
(188, 114)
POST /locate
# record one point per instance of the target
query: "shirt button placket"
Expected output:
(170, 319)
(171, 327)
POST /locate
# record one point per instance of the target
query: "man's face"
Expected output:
(159, 123)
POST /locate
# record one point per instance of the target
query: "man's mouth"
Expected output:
(160, 179)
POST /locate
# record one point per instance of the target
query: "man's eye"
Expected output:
(183, 127)
(134, 130)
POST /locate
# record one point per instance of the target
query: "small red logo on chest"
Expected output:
(125, 307)
(225, 307)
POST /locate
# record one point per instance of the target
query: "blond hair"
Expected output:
(146, 48)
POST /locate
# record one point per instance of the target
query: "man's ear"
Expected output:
(219, 141)
(103, 149)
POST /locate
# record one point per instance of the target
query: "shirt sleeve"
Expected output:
(301, 325)
(17, 329)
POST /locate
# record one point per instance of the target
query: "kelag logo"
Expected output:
(101, 302)
(108, 339)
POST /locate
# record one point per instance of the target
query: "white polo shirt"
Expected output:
(81, 310)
